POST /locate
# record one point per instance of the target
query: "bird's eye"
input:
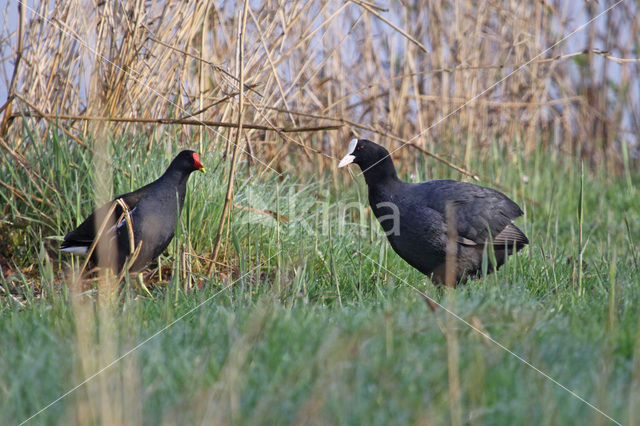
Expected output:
(360, 148)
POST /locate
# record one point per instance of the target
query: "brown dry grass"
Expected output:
(386, 72)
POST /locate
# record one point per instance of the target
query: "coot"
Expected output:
(414, 217)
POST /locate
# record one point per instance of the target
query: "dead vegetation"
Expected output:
(331, 70)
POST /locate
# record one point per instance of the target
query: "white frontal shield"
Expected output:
(348, 159)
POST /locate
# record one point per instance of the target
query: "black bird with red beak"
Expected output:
(154, 210)
(414, 217)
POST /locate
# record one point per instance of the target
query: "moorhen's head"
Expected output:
(374, 160)
(186, 162)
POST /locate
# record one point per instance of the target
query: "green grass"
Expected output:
(314, 320)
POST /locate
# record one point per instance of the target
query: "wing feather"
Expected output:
(481, 213)
(84, 234)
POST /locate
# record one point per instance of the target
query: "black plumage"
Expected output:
(414, 216)
(154, 210)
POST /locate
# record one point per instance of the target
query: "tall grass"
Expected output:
(302, 322)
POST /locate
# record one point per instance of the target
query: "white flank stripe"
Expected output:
(78, 250)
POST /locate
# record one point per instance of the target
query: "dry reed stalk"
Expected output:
(53, 121)
(453, 350)
(371, 10)
(31, 173)
(4, 123)
(398, 139)
(180, 121)
(276, 78)
(634, 385)
(20, 194)
(99, 231)
(228, 200)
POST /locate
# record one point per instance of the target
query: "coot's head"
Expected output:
(374, 160)
(364, 153)
(186, 162)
